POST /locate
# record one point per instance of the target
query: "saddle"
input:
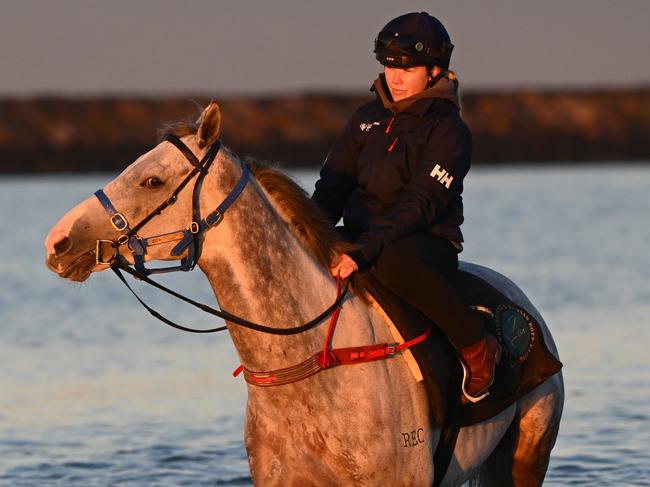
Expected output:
(526, 361)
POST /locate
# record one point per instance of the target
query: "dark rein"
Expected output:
(190, 239)
(220, 313)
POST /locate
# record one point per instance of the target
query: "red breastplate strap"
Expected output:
(328, 358)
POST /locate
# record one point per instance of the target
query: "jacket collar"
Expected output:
(446, 88)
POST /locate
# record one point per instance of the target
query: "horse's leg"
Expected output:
(522, 457)
(474, 445)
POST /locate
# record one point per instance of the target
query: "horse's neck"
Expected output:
(259, 270)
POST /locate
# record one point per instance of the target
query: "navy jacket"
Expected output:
(398, 169)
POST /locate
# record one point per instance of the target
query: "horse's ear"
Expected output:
(209, 125)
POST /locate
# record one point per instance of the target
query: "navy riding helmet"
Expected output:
(415, 39)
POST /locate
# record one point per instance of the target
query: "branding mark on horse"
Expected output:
(414, 438)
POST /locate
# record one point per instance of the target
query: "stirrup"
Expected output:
(487, 312)
(466, 395)
(466, 374)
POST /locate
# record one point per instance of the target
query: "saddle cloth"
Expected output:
(526, 361)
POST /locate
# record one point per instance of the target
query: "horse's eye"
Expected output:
(152, 183)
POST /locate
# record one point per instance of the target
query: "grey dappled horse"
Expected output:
(267, 262)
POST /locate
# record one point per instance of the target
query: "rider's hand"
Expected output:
(344, 267)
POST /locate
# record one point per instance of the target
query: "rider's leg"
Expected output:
(419, 268)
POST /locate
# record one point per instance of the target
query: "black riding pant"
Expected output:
(420, 269)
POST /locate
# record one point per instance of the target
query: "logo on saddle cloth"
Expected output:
(516, 332)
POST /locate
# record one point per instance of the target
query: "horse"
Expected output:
(267, 258)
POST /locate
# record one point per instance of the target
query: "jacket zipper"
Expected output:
(390, 124)
(388, 127)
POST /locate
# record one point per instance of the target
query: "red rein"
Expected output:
(328, 357)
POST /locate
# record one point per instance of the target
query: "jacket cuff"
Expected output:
(367, 254)
(359, 259)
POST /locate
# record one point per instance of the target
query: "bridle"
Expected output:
(190, 238)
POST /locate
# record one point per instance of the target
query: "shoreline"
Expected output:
(98, 134)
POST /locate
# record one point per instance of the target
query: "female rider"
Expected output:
(395, 175)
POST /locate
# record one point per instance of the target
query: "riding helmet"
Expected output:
(414, 39)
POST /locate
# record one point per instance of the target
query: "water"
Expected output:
(93, 391)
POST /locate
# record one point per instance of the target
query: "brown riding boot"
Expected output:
(479, 362)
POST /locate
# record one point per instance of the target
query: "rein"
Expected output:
(121, 265)
(192, 236)
(191, 239)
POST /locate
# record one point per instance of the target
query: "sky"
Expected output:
(244, 47)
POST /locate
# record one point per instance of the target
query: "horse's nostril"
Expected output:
(62, 246)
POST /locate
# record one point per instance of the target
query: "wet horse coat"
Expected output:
(267, 261)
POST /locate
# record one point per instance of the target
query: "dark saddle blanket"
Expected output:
(526, 361)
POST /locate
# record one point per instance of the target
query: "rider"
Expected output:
(395, 175)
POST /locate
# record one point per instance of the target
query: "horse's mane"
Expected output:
(306, 220)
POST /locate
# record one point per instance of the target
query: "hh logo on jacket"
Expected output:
(442, 176)
(366, 126)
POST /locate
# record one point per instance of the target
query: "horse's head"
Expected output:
(72, 248)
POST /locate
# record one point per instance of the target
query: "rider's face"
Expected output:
(405, 82)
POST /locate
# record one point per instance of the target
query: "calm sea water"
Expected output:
(93, 391)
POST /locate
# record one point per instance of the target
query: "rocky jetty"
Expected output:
(106, 134)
